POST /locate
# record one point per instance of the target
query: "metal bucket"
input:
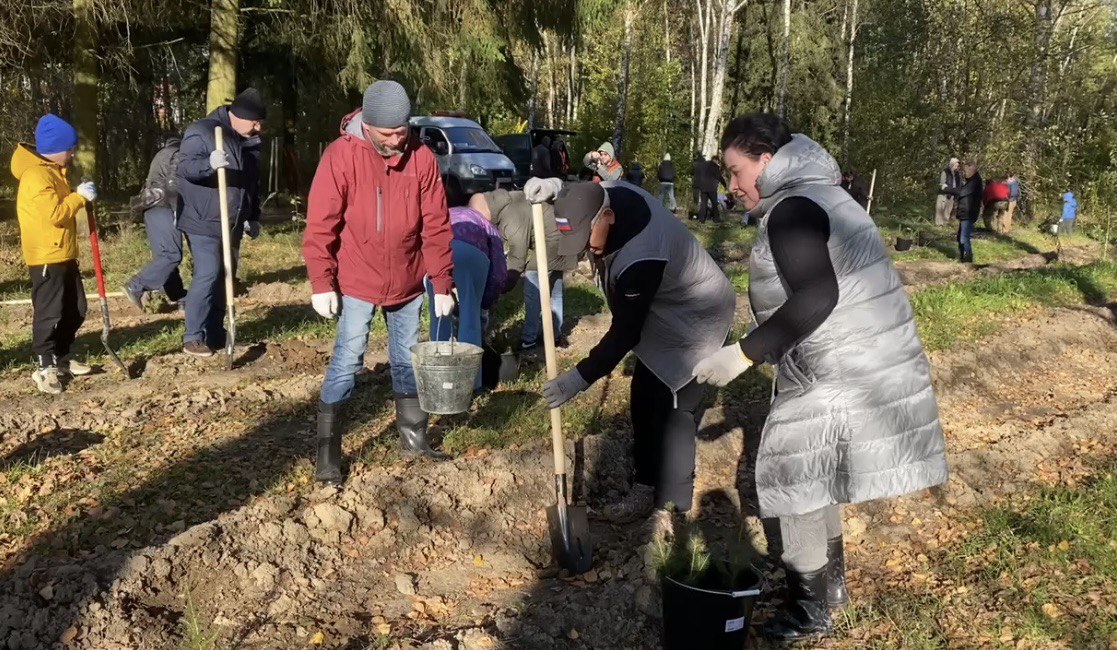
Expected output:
(445, 373)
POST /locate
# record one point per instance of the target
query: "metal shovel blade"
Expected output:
(570, 537)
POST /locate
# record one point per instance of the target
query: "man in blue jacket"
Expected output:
(200, 209)
(1070, 211)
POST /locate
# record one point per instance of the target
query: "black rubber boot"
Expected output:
(327, 468)
(411, 422)
(804, 614)
(836, 595)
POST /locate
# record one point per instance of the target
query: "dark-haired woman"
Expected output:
(853, 415)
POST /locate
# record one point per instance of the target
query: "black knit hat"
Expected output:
(249, 106)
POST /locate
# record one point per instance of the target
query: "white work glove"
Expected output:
(87, 191)
(542, 190)
(723, 366)
(218, 159)
(252, 229)
(443, 305)
(325, 304)
(561, 389)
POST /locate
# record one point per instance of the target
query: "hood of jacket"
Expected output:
(25, 157)
(799, 162)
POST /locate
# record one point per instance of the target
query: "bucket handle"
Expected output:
(438, 331)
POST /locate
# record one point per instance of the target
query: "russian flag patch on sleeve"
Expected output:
(563, 225)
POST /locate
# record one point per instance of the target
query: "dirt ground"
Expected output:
(223, 540)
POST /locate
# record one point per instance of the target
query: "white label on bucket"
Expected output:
(446, 385)
(734, 624)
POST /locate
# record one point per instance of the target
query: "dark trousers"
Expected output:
(165, 241)
(711, 199)
(664, 427)
(205, 302)
(965, 248)
(58, 302)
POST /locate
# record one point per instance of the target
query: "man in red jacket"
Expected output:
(995, 199)
(377, 223)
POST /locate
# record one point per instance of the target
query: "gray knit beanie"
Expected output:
(386, 105)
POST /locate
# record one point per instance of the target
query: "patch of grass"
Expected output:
(196, 634)
(1052, 559)
(967, 311)
(898, 620)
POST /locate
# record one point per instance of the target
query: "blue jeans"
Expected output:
(965, 249)
(165, 241)
(667, 196)
(205, 302)
(471, 271)
(352, 338)
(533, 325)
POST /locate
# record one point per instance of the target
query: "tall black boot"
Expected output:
(328, 466)
(836, 595)
(804, 615)
(411, 422)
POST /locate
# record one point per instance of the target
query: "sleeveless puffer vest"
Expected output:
(853, 416)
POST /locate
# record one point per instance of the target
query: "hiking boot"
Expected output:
(804, 614)
(73, 368)
(411, 423)
(637, 504)
(197, 349)
(134, 297)
(836, 595)
(327, 467)
(47, 380)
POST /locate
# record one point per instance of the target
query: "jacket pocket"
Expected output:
(794, 375)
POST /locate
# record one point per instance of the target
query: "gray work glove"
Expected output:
(561, 389)
(218, 159)
(542, 190)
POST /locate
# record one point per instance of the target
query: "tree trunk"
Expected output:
(704, 73)
(86, 75)
(534, 88)
(693, 105)
(846, 112)
(570, 90)
(224, 27)
(785, 61)
(463, 83)
(721, 67)
(551, 85)
(740, 63)
(622, 92)
(666, 33)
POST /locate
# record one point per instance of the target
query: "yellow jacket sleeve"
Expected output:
(58, 210)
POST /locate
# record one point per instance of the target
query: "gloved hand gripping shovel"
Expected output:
(226, 252)
(569, 526)
(95, 249)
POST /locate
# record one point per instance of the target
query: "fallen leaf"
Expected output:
(1051, 610)
(318, 638)
(478, 561)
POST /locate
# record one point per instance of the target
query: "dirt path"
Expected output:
(452, 554)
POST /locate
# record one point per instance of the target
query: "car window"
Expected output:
(435, 139)
(467, 139)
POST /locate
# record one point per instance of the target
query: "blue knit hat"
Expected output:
(54, 135)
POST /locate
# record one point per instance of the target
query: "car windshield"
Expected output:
(471, 140)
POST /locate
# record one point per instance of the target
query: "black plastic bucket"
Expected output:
(903, 244)
(708, 618)
(498, 368)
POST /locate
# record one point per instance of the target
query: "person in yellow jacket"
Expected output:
(47, 210)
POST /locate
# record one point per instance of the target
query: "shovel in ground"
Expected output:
(95, 250)
(226, 253)
(569, 527)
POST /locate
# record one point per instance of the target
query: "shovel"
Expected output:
(569, 527)
(226, 252)
(95, 249)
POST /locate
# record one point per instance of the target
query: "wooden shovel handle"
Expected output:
(557, 442)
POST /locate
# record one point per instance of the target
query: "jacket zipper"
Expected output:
(379, 211)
